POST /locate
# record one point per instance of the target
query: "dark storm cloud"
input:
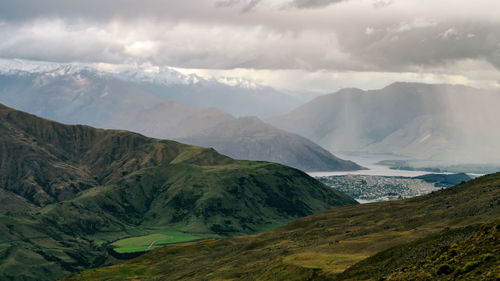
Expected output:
(19, 10)
(400, 47)
(314, 3)
(244, 6)
(357, 35)
(250, 6)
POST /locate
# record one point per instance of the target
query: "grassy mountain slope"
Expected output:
(85, 188)
(46, 162)
(241, 138)
(469, 253)
(317, 247)
(225, 199)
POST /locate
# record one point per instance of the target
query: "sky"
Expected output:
(296, 45)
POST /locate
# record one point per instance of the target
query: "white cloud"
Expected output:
(382, 3)
(142, 48)
(413, 24)
(475, 73)
(450, 33)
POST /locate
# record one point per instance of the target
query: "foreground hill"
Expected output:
(241, 138)
(441, 123)
(82, 188)
(469, 253)
(321, 246)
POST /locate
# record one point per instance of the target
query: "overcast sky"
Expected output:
(317, 45)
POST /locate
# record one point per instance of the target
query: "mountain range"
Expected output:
(241, 138)
(143, 100)
(77, 189)
(435, 123)
(81, 85)
(82, 97)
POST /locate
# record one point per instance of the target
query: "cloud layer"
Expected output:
(385, 36)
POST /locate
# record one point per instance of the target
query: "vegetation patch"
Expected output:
(445, 269)
(151, 241)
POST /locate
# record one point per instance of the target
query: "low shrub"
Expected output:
(445, 269)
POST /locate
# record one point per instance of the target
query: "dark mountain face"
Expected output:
(240, 138)
(322, 246)
(95, 186)
(432, 122)
(46, 162)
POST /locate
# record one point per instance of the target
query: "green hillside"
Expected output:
(86, 190)
(321, 246)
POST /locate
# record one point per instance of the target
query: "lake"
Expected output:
(370, 162)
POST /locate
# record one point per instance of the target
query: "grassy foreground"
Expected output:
(318, 247)
(468, 253)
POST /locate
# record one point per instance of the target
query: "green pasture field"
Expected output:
(151, 241)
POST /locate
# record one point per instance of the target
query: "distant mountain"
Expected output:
(445, 180)
(241, 138)
(411, 239)
(81, 93)
(252, 139)
(74, 96)
(237, 100)
(236, 96)
(169, 120)
(134, 99)
(440, 123)
(81, 188)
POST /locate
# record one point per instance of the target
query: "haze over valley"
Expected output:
(430, 125)
(437, 124)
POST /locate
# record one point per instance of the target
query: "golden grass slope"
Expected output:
(319, 246)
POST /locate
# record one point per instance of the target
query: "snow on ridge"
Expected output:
(135, 73)
(238, 82)
(19, 66)
(156, 75)
(146, 73)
